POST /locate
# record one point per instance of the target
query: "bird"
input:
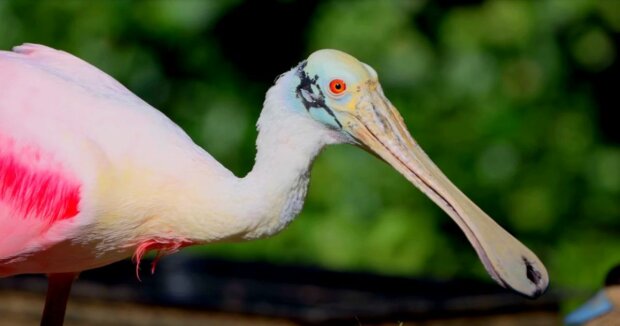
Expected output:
(603, 308)
(91, 174)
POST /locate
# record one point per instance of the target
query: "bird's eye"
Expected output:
(337, 86)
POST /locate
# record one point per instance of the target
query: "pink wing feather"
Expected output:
(64, 125)
(70, 67)
(35, 193)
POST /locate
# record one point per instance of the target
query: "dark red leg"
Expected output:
(58, 289)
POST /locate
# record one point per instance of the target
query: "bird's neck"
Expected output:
(287, 144)
(273, 192)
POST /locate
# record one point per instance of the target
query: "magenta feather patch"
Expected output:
(34, 187)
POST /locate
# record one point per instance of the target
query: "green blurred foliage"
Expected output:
(486, 88)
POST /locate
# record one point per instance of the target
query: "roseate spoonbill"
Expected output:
(90, 174)
(604, 307)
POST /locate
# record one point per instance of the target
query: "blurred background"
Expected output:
(516, 101)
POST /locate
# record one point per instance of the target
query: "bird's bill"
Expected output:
(377, 126)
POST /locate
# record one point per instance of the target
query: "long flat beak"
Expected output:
(378, 127)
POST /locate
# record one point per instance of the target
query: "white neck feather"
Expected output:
(287, 144)
(272, 194)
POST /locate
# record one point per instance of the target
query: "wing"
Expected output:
(65, 126)
(50, 158)
(72, 69)
(36, 194)
(40, 86)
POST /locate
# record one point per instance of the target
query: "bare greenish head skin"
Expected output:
(323, 67)
(359, 110)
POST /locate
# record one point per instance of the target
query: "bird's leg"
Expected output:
(58, 289)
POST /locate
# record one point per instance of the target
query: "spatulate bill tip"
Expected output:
(534, 281)
(538, 292)
(534, 293)
(538, 277)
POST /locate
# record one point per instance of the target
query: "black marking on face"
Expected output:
(314, 100)
(532, 274)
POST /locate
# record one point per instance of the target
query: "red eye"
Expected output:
(337, 86)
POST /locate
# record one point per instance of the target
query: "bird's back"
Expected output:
(66, 129)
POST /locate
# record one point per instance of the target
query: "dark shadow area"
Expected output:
(305, 295)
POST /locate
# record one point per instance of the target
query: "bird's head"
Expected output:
(344, 95)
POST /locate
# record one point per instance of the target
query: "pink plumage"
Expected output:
(68, 133)
(161, 246)
(66, 129)
(31, 187)
(35, 194)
